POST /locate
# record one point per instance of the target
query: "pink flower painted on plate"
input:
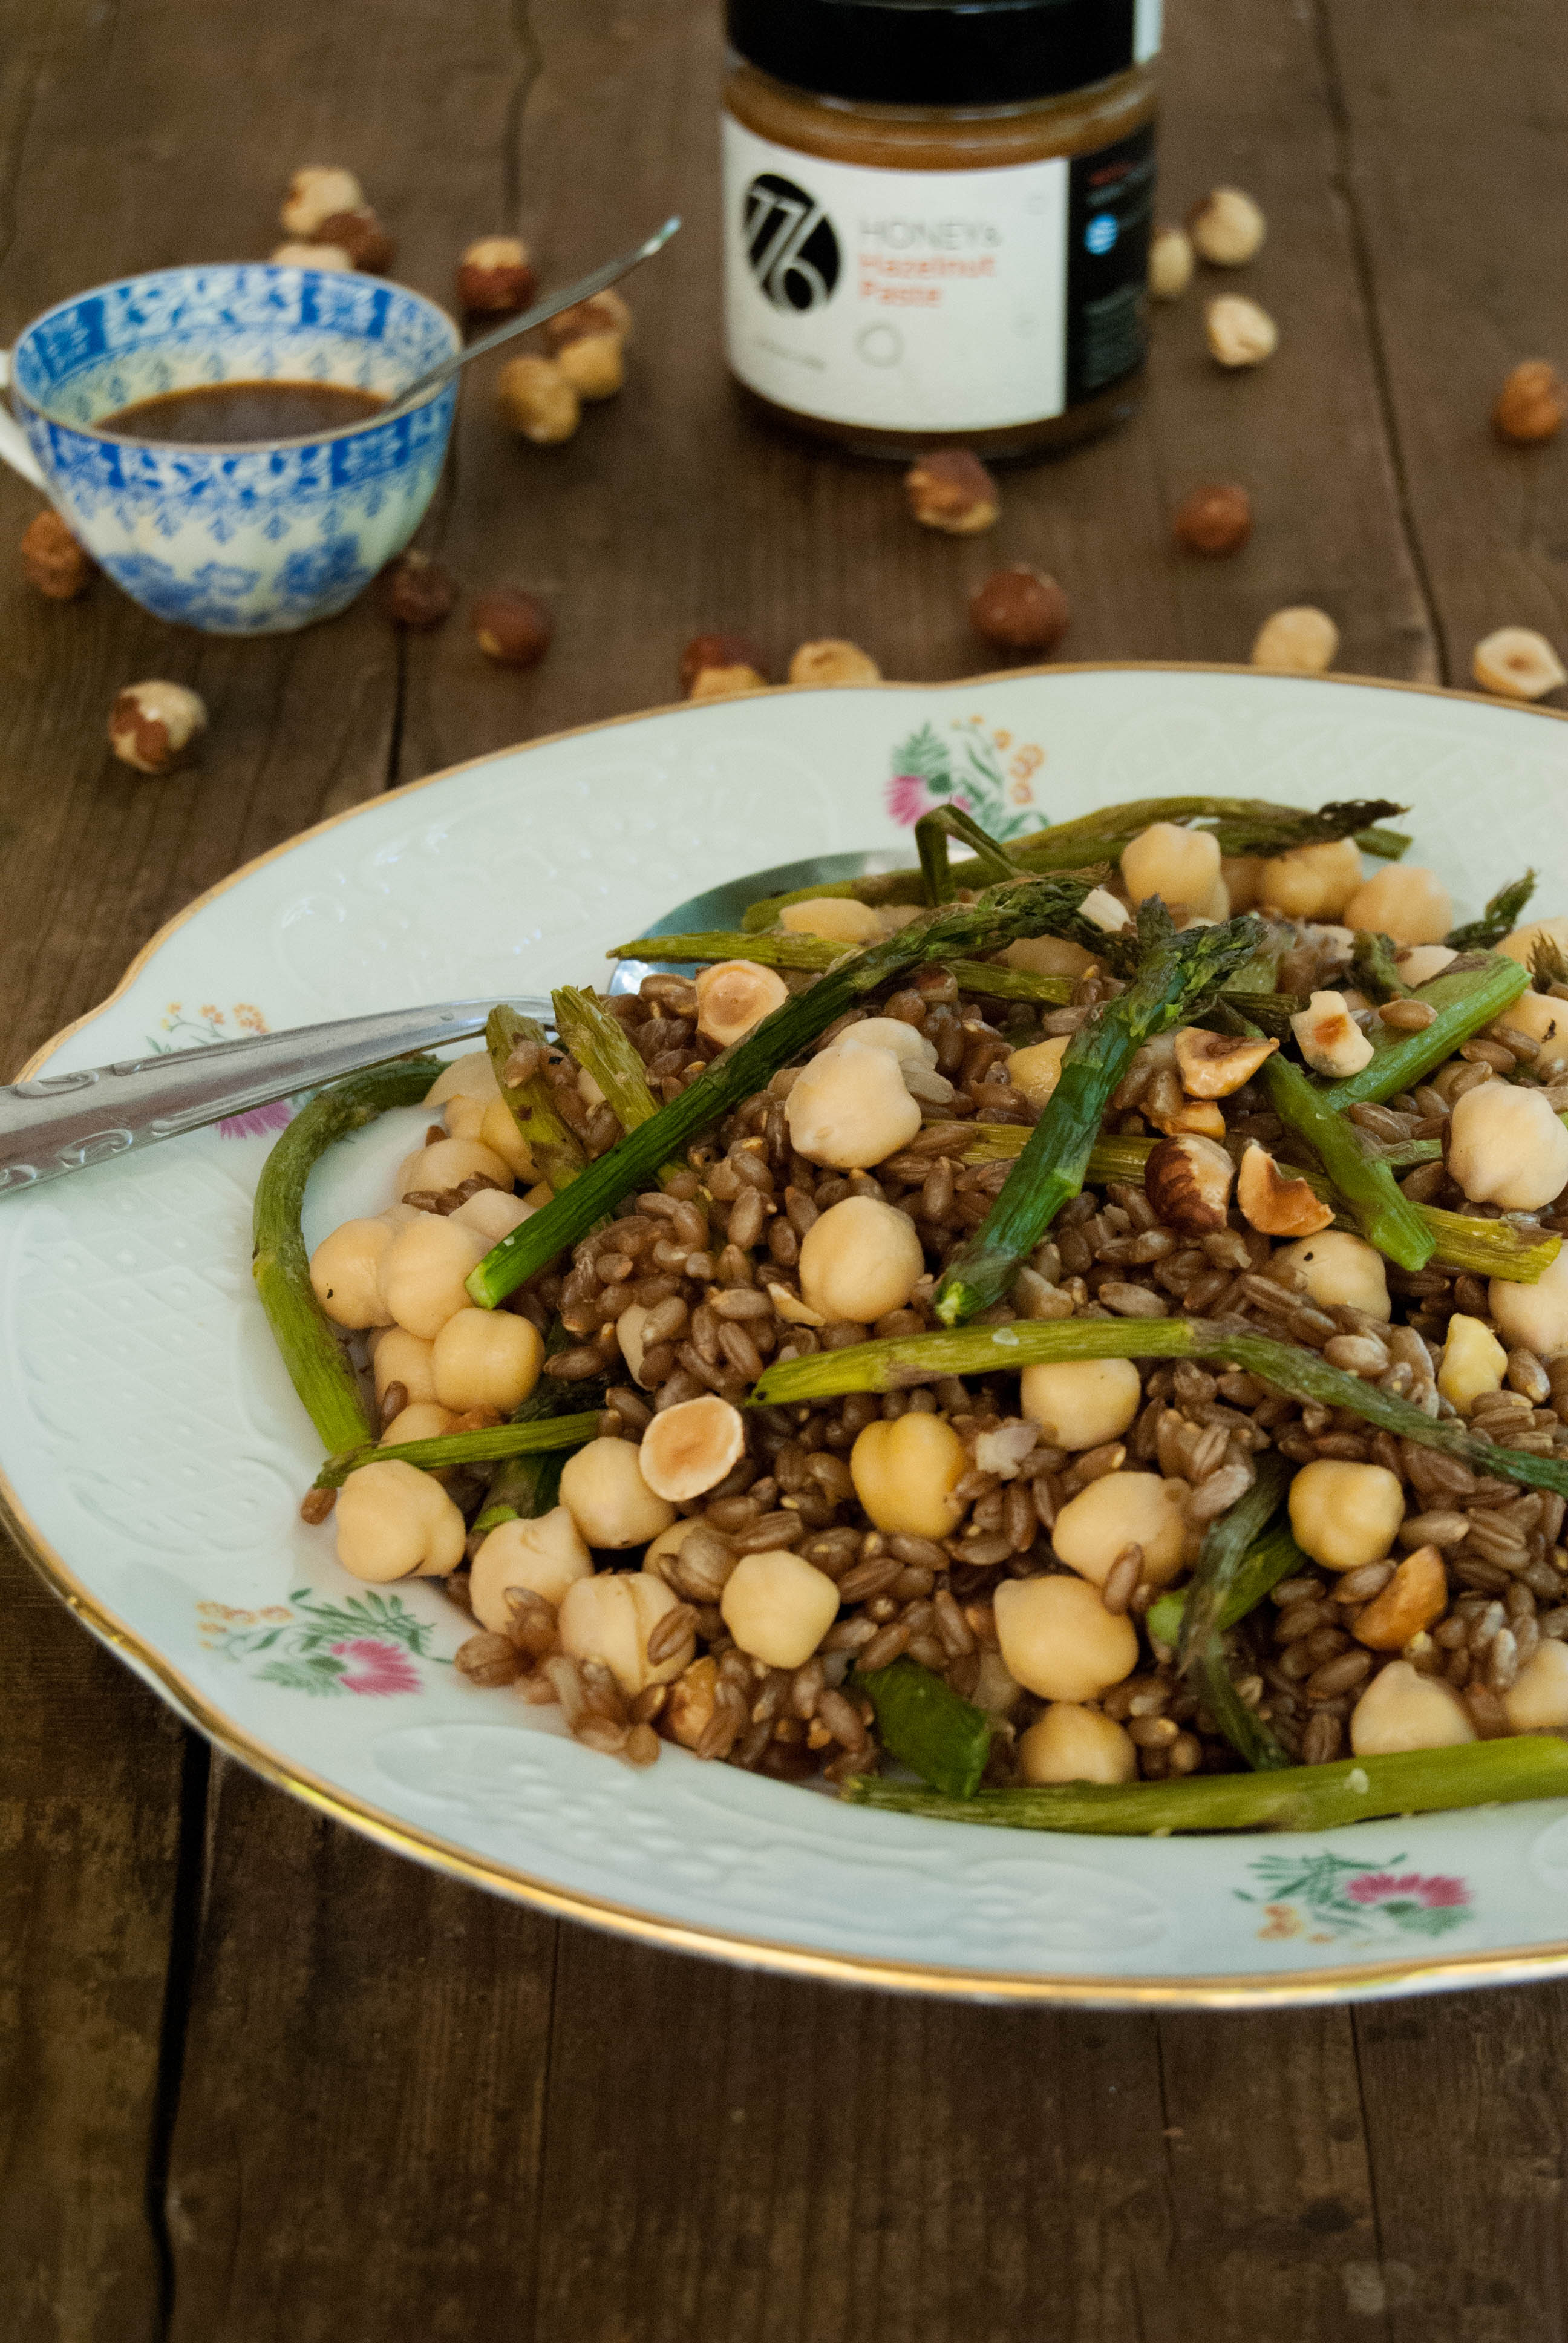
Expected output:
(376, 1667)
(908, 798)
(1437, 1890)
(257, 1120)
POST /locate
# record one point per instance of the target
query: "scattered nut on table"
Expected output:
(1299, 640)
(1226, 228)
(315, 192)
(53, 561)
(950, 489)
(494, 276)
(155, 726)
(589, 342)
(601, 313)
(535, 400)
(1517, 662)
(1170, 264)
(1239, 333)
(1532, 404)
(361, 235)
(1214, 520)
(301, 255)
(416, 591)
(831, 662)
(1020, 609)
(510, 627)
(721, 667)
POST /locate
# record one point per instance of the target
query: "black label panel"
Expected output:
(1110, 216)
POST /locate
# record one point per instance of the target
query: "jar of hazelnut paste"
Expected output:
(937, 216)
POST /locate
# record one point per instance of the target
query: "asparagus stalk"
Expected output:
(817, 952)
(925, 1725)
(932, 832)
(1371, 964)
(556, 1149)
(1464, 1004)
(985, 926)
(603, 1048)
(1276, 1556)
(1201, 1654)
(1300, 1798)
(1290, 1367)
(1501, 917)
(464, 1447)
(1178, 970)
(524, 1486)
(318, 1365)
(1385, 1218)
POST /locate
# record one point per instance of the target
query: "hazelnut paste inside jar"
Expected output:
(937, 216)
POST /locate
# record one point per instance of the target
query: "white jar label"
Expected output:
(934, 300)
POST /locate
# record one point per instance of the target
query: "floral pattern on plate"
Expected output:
(365, 1643)
(1327, 1899)
(969, 772)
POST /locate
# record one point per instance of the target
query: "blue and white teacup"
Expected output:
(251, 539)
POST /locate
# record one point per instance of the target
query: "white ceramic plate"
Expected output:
(154, 1453)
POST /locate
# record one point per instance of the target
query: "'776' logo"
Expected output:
(789, 243)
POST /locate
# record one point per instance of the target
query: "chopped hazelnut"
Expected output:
(535, 400)
(950, 489)
(1300, 641)
(1273, 1205)
(153, 725)
(830, 661)
(53, 561)
(1187, 1180)
(1018, 609)
(1517, 662)
(1226, 228)
(361, 235)
(1170, 264)
(1329, 1038)
(1240, 333)
(417, 591)
(309, 255)
(511, 627)
(594, 365)
(707, 657)
(601, 313)
(317, 192)
(727, 683)
(494, 278)
(1214, 520)
(1531, 403)
(1214, 1065)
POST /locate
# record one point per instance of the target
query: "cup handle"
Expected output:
(13, 448)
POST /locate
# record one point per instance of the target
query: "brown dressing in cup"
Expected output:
(237, 414)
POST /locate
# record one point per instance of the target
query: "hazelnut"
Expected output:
(1240, 333)
(417, 591)
(317, 192)
(309, 255)
(594, 365)
(600, 313)
(52, 560)
(511, 627)
(152, 724)
(361, 235)
(1214, 520)
(714, 666)
(494, 278)
(1170, 264)
(833, 662)
(1329, 1038)
(1187, 1180)
(1273, 1205)
(1226, 228)
(1213, 1065)
(535, 400)
(1531, 403)
(1517, 662)
(1300, 641)
(1018, 609)
(950, 489)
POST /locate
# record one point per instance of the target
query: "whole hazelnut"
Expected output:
(1517, 662)
(535, 400)
(1020, 609)
(1214, 520)
(152, 726)
(708, 659)
(52, 560)
(494, 278)
(309, 255)
(317, 192)
(950, 489)
(1240, 334)
(601, 313)
(1531, 403)
(1300, 641)
(1170, 264)
(417, 591)
(361, 235)
(1226, 227)
(594, 365)
(830, 661)
(511, 627)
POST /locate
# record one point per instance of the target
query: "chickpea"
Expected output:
(905, 1472)
(469, 1076)
(1180, 865)
(1521, 945)
(450, 1161)
(500, 1134)
(1120, 1510)
(1345, 1515)
(628, 1333)
(1533, 1317)
(403, 1358)
(1402, 901)
(777, 1607)
(547, 1555)
(860, 1260)
(395, 1522)
(486, 1357)
(849, 1108)
(422, 1419)
(1059, 1640)
(668, 1542)
(1073, 1743)
(735, 995)
(1341, 1269)
(1419, 964)
(838, 916)
(1540, 1015)
(689, 1448)
(1312, 883)
(464, 1117)
(612, 1617)
(345, 1274)
(1243, 878)
(423, 1269)
(608, 1499)
(1037, 1070)
(1506, 1147)
(1537, 1701)
(1048, 956)
(1474, 1362)
(492, 1214)
(1401, 1710)
(1082, 1402)
(908, 1044)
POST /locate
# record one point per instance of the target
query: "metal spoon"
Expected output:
(597, 281)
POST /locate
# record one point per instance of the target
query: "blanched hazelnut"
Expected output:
(1274, 1204)
(469, 1076)
(1474, 1362)
(448, 1162)
(1048, 956)
(777, 1607)
(1120, 1510)
(733, 996)
(1020, 609)
(1329, 1038)
(950, 489)
(1312, 883)
(831, 662)
(628, 1333)
(344, 1273)
(1517, 662)
(689, 1448)
(905, 1474)
(1405, 903)
(492, 1214)
(859, 1260)
(693, 1697)
(486, 1357)
(1179, 865)
(535, 399)
(1059, 1640)
(1507, 1147)
(303, 255)
(714, 666)
(1345, 1515)
(1239, 332)
(499, 1132)
(1214, 520)
(422, 1419)
(494, 278)
(1341, 1269)
(315, 191)
(395, 1522)
(1297, 640)
(1187, 1180)
(1215, 1065)
(838, 918)
(152, 727)
(610, 1617)
(1531, 403)
(547, 1555)
(1080, 1403)
(1521, 945)
(1533, 1317)
(361, 235)
(511, 627)
(1073, 1743)
(53, 561)
(594, 365)
(1101, 906)
(1226, 227)
(1037, 1070)
(1170, 264)
(850, 1108)
(1400, 1709)
(610, 1500)
(1537, 1701)
(417, 591)
(1414, 1599)
(402, 1358)
(423, 1269)
(602, 313)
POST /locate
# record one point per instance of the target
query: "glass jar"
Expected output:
(937, 216)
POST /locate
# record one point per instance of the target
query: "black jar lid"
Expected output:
(945, 52)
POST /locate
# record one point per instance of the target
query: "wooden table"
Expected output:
(260, 2080)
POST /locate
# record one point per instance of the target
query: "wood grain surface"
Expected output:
(260, 2080)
